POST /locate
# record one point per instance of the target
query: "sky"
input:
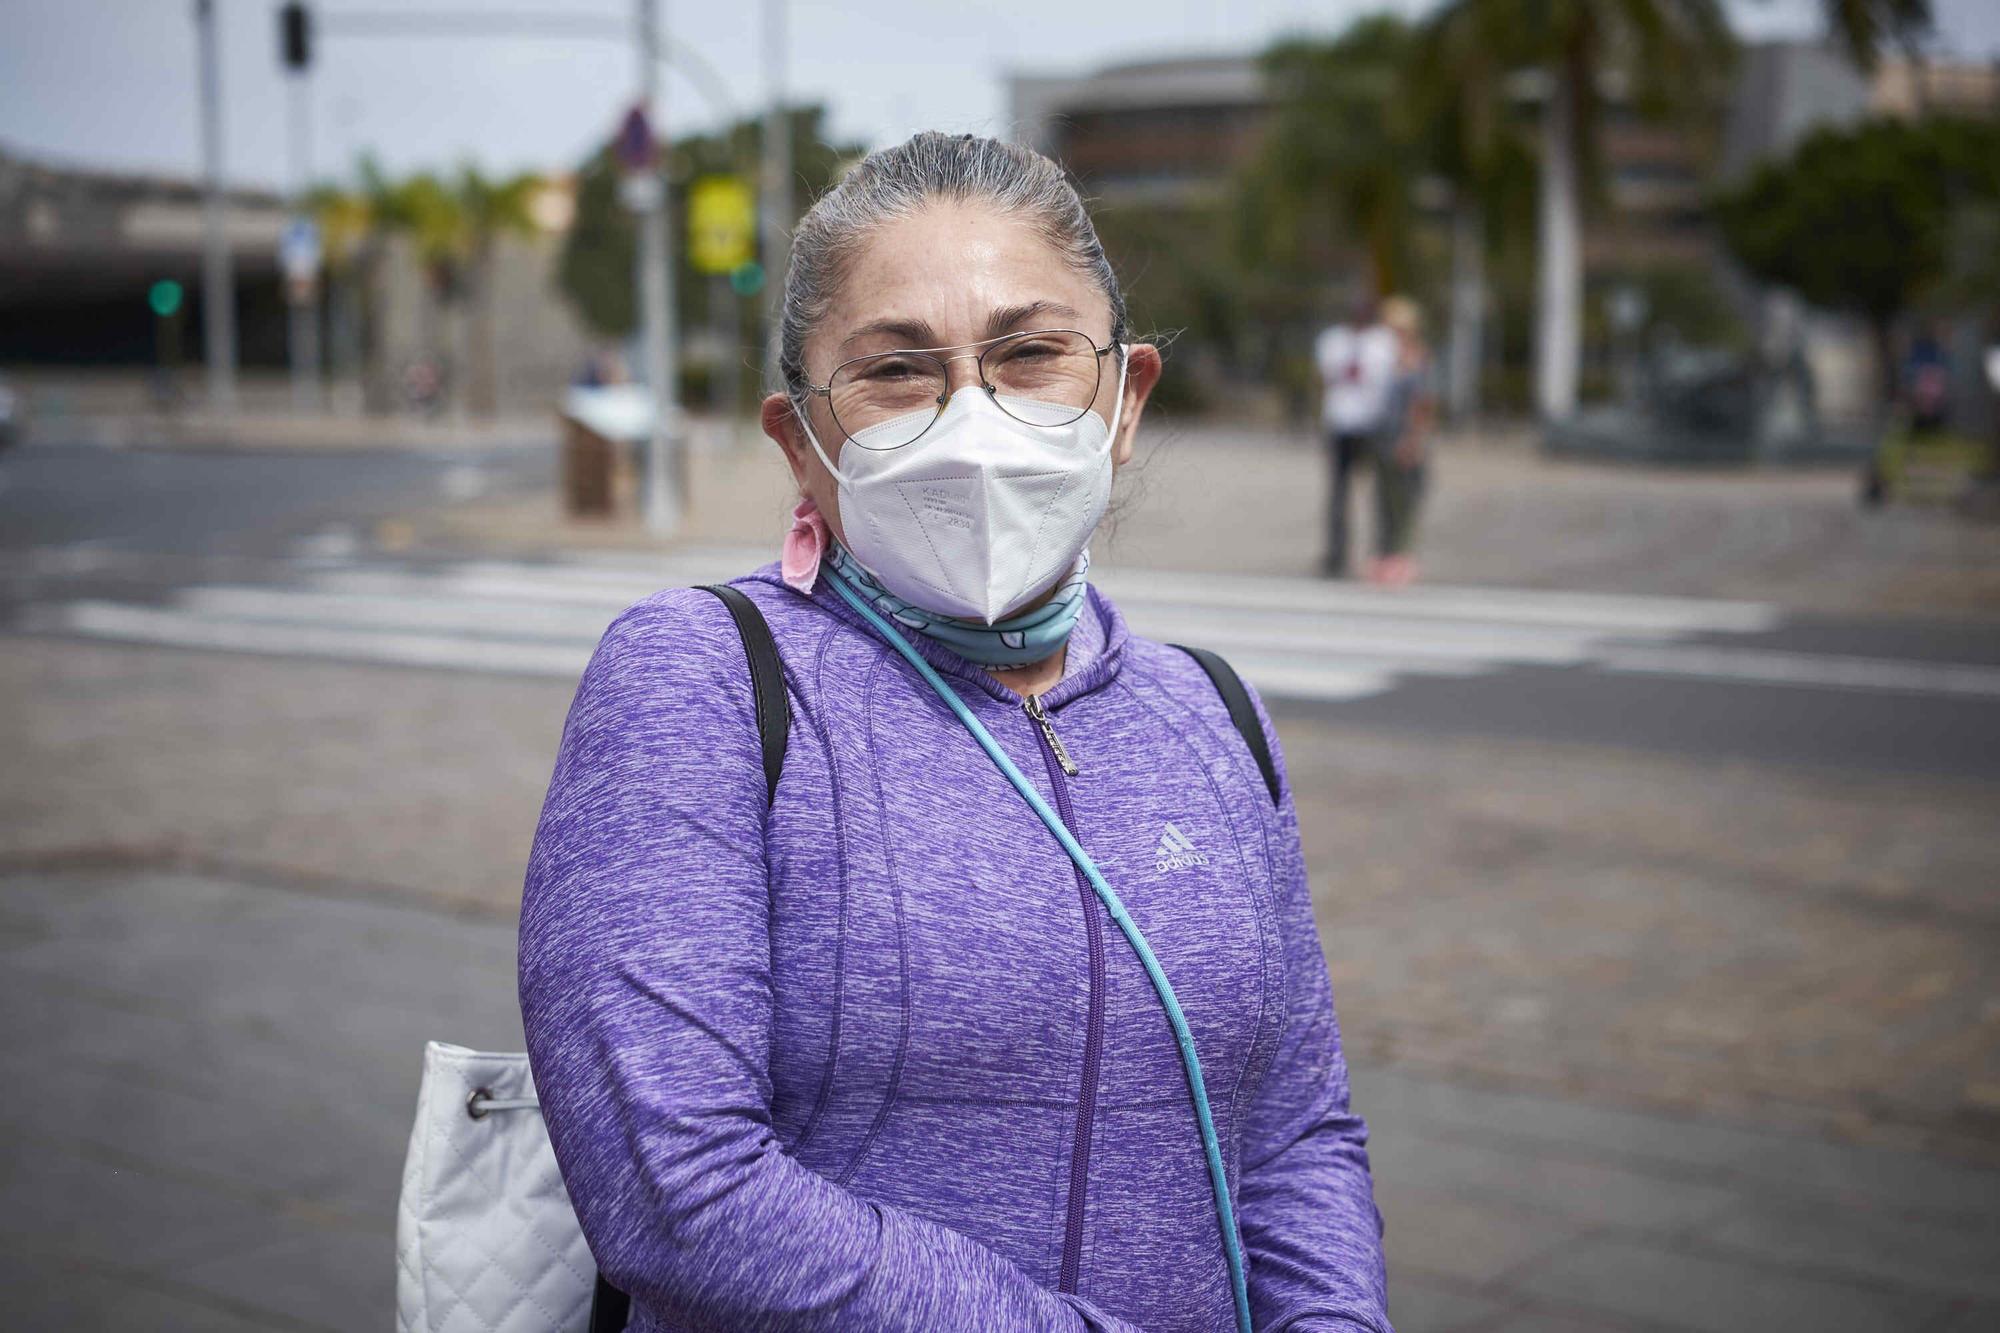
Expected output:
(112, 83)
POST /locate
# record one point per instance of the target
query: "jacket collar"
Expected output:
(1095, 674)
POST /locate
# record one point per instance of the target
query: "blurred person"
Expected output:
(1356, 360)
(861, 1046)
(1927, 382)
(1402, 444)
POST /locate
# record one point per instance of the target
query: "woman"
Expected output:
(863, 1051)
(1402, 445)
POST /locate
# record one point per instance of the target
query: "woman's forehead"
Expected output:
(959, 272)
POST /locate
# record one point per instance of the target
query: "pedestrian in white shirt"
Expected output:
(1357, 363)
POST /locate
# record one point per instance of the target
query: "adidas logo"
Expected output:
(1177, 851)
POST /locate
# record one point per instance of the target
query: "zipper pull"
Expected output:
(1033, 703)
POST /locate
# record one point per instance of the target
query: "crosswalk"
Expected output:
(1302, 639)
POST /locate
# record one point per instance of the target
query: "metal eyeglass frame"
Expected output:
(943, 364)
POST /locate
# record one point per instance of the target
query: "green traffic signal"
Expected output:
(164, 297)
(747, 278)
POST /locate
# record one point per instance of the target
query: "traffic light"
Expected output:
(164, 297)
(295, 35)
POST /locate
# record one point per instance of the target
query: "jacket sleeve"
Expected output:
(645, 997)
(1312, 1236)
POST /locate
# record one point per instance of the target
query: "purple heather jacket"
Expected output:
(874, 1056)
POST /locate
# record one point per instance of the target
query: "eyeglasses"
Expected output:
(891, 398)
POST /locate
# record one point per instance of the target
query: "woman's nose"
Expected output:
(960, 372)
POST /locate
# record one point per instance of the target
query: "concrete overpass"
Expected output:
(79, 250)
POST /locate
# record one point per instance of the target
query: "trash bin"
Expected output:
(603, 427)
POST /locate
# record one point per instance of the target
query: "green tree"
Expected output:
(1672, 56)
(1863, 219)
(1864, 27)
(1453, 91)
(1335, 159)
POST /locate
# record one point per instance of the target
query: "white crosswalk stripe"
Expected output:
(1293, 638)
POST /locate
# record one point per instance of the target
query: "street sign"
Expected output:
(298, 250)
(299, 259)
(722, 224)
(636, 148)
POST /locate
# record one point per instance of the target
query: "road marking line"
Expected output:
(512, 620)
(1758, 666)
(149, 624)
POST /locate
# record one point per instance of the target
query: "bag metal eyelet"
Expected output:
(475, 1105)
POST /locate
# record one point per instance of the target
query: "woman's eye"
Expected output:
(889, 370)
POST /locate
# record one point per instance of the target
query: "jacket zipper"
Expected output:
(1033, 704)
(1058, 762)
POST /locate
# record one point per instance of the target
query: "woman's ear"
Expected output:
(781, 423)
(1142, 372)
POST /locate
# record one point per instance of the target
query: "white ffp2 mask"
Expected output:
(982, 511)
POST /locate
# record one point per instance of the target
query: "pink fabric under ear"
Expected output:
(804, 545)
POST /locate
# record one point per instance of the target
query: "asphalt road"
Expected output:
(234, 501)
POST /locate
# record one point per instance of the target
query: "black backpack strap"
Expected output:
(1241, 711)
(767, 681)
(610, 1308)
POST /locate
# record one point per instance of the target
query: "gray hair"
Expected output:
(892, 183)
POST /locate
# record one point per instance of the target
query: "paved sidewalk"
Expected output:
(210, 1085)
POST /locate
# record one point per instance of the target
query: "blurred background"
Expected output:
(359, 362)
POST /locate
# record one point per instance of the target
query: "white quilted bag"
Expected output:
(486, 1241)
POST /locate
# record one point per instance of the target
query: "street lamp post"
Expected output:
(656, 292)
(776, 196)
(218, 283)
(300, 254)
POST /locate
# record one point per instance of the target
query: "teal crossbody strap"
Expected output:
(1218, 1178)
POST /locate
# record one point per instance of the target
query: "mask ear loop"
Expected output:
(1118, 408)
(805, 424)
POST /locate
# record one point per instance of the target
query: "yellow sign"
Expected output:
(722, 223)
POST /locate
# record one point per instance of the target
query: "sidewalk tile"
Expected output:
(93, 1212)
(1982, 1317)
(1667, 1145)
(1535, 1318)
(1649, 1282)
(1961, 1260)
(1417, 1306)
(1470, 1243)
(1585, 1193)
(338, 1276)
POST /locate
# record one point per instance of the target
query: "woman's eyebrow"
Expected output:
(919, 333)
(910, 332)
(1007, 318)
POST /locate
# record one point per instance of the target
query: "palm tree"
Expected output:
(488, 210)
(428, 211)
(1670, 53)
(1864, 27)
(1334, 160)
(1454, 95)
(345, 224)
